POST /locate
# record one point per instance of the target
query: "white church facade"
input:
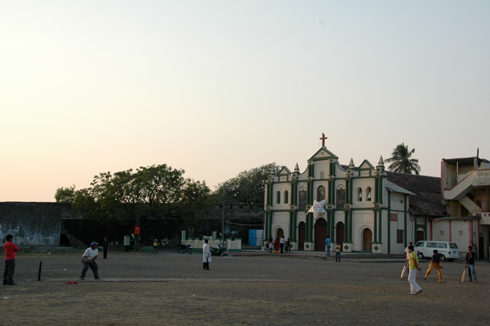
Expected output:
(363, 209)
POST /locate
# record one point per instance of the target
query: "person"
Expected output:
(271, 246)
(288, 245)
(105, 243)
(328, 243)
(413, 263)
(10, 249)
(435, 262)
(206, 255)
(277, 245)
(155, 247)
(406, 256)
(406, 252)
(282, 243)
(337, 251)
(470, 263)
(88, 260)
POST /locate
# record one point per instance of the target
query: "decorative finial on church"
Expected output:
(351, 164)
(322, 138)
(381, 162)
(296, 168)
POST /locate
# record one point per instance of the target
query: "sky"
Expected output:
(219, 87)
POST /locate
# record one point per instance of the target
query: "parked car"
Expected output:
(447, 250)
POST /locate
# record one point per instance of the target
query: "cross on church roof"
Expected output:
(323, 139)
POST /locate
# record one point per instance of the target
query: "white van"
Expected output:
(447, 250)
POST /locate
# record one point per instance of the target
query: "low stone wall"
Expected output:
(230, 245)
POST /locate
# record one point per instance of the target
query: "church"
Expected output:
(364, 208)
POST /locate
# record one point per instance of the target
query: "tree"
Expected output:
(157, 191)
(402, 161)
(246, 188)
(65, 195)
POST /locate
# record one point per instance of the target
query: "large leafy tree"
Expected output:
(156, 191)
(402, 161)
(246, 188)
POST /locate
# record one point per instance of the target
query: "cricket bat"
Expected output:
(464, 274)
(404, 272)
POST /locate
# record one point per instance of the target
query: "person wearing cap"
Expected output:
(88, 260)
(435, 262)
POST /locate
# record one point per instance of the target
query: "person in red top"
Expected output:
(10, 250)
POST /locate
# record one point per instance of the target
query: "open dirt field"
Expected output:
(173, 289)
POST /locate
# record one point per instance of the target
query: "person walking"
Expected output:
(328, 243)
(435, 262)
(155, 247)
(105, 243)
(271, 247)
(288, 245)
(470, 263)
(88, 260)
(10, 249)
(206, 255)
(337, 252)
(413, 263)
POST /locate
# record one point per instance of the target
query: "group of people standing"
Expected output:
(412, 261)
(280, 245)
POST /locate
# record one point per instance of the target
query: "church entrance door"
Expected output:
(301, 235)
(280, 233)
(367, 243)
(320, 234)
(340, 234)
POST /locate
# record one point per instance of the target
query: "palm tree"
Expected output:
(402, 161)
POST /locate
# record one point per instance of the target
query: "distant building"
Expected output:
(366, 208)
(466, 189)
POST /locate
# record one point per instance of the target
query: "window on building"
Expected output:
(278, 197)
(286, 197)
(399, 236)
(340, 197)
(322, 175)
(460, 233)
(368, 194)
(302, 200)
(441, 232)
(320, 193)
(359, 194)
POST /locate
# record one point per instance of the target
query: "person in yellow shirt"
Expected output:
(413, 263)
(337, 252)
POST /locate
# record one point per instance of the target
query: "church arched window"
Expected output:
(359, 194)
(286, 197)
(278, 197)
(368, 194)
(320, 193)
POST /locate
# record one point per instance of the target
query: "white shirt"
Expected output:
(91, 253)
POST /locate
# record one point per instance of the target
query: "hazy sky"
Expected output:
(219, 87)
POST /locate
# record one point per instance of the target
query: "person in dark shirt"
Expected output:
(470, 263)
(435, 262)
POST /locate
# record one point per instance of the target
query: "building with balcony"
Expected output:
(465, 184)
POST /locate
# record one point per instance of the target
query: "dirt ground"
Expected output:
(173, 289)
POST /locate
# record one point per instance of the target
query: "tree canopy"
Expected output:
(156, 191)
(246, 188)
(402, 160)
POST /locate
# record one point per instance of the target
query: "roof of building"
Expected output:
(427, 200)
(468, 161)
